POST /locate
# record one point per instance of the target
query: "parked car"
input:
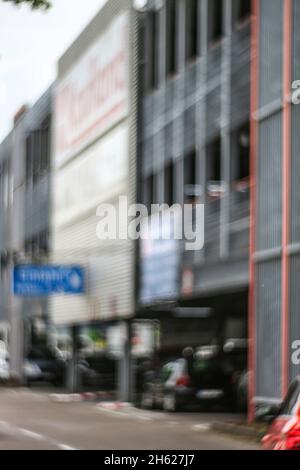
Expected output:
(32, 372)
(4, 363)
(42, 365)
(201, 377)
(168, 387)
(4, 370)
(96, 373)
(284, 430)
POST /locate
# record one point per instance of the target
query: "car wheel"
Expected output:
(147, 401)
(170, 403)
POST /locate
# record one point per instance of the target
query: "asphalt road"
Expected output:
(32, 420)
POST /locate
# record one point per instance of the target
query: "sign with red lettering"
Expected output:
(93, 96)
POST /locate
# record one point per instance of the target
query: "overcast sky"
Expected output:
(30, 44)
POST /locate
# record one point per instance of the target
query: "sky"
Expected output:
(30, 44)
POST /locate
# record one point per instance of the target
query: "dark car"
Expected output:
(206, 376)
(168, 387)
(42, 365)
(284, 430)
(98, 373)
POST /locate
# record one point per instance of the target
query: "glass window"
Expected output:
(215, 20)
(291, 400)
(242, 142)
(191, 29)
(241, 10)
(171, 37)
(169, 184)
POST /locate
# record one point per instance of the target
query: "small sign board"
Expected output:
(31, 280)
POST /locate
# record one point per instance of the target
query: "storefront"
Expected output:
(94, 165)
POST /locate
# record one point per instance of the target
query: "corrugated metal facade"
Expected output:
(207, 99)
(268, 333)
(269, 211)
(294, 325)
(294, 319)
(276, 256)
(270, 66)
(269, 181)
(109, 264)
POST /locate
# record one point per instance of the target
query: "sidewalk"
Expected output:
(254, 431)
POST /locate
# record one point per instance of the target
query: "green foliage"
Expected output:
(35, 4)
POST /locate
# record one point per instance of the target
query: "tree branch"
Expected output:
(35, 4)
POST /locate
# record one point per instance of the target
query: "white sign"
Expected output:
(93, 96)
(98, 174)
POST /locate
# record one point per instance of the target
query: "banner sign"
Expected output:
(44, 280)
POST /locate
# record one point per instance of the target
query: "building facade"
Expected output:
(5, 151)
(94, 164)
(194, 148)
(274, 300)
(25, 196)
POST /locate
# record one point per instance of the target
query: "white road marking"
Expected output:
(65, 447)
(4, 424)
(202, 427)
(31, 434)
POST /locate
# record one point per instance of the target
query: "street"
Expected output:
(33, 420)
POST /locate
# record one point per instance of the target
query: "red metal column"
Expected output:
(253, 155)
(286, 168)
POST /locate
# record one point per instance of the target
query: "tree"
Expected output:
(35, 4)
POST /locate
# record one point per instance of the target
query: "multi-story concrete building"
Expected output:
(94, 164)
(275, 236)
(5, 199)
(37, 208)
(25, 196)
(194, 147)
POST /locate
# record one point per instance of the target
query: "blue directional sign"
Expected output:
(44, 280)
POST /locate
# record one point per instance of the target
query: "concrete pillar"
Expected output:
(124, 367)
(16, 343)
(225, 130)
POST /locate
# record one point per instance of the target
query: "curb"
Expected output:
(81, 397)
(114, 405)
(241, 430)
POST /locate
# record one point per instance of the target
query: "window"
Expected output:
(190, 175)
(242, 154)
(192, 22)
(148, 191)
(213, 167)
(37, 151)
(37, 245)
(215, 20)
(37, 154)
(44, 242)
(29, 157)
(28, 247)
(214, 188)
(169, 185)
(241, 10)
(153, 42)
(171, 37)
(45, 147)
(6, 186)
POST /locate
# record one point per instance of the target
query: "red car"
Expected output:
(284, 430)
